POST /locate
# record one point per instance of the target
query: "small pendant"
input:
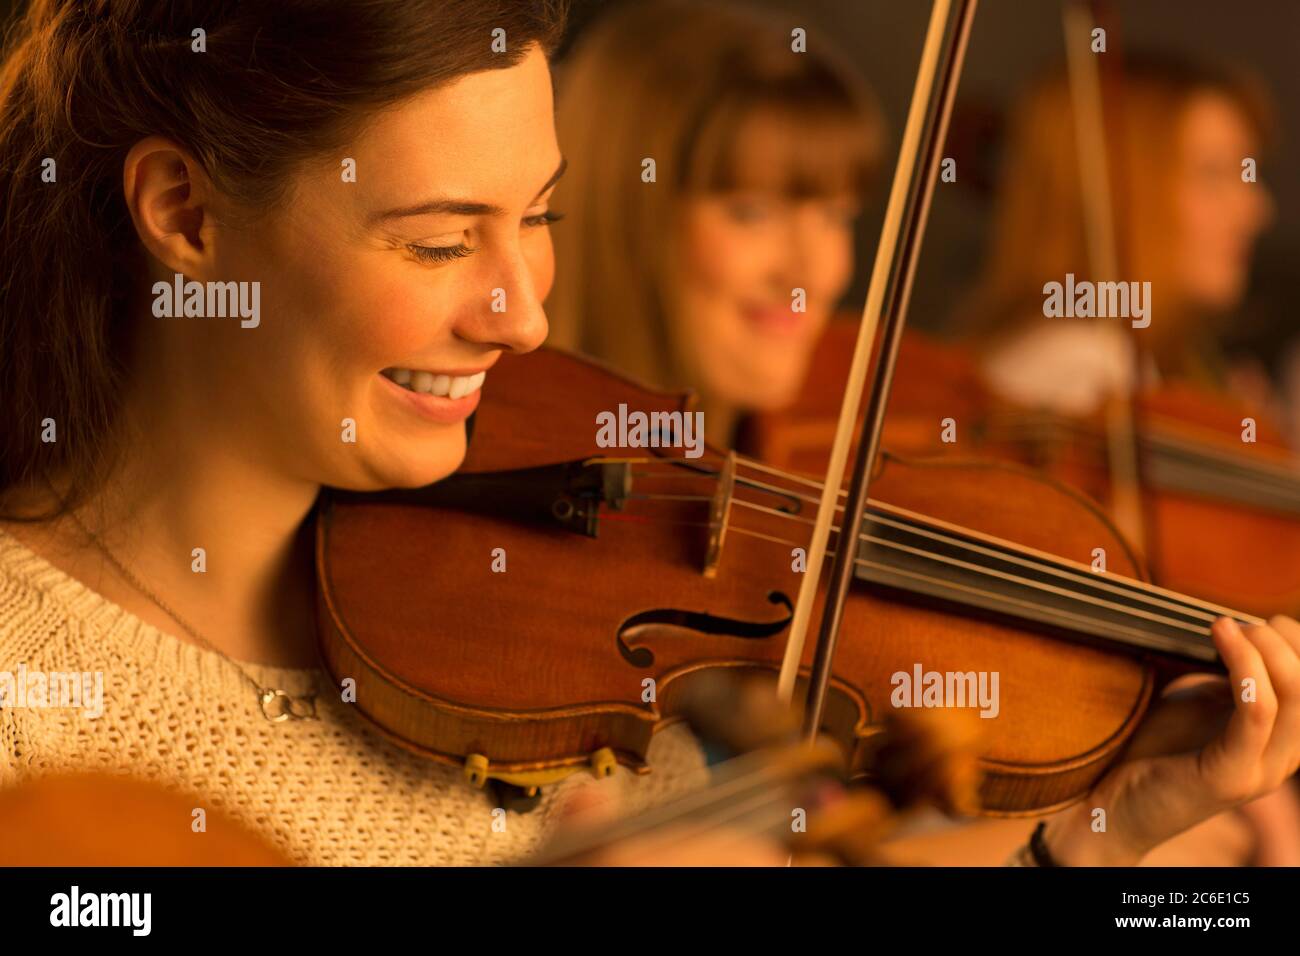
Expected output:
(277, 706)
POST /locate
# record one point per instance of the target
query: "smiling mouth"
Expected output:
(432, 383)
(780, 318)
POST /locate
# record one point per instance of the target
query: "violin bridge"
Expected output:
(720, 515)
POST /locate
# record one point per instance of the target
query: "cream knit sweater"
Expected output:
(327, 792)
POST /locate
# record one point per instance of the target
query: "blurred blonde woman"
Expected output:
(761, 158)
(1184, 221)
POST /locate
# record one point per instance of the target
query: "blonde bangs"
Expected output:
(795, 146)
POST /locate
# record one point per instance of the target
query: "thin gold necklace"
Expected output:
(277, 705)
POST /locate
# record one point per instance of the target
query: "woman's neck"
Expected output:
(248, 592)
(720, 422)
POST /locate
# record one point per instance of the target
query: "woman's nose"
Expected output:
(508, 310)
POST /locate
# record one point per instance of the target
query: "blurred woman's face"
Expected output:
(1220, 215)
(744, 256)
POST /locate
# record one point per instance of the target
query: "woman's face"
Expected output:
(384, 300)
(1221, 215)
(743, 256)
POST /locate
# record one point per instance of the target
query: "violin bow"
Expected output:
(1087, 95)
(887, 297)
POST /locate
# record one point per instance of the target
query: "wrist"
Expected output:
(1071, 841)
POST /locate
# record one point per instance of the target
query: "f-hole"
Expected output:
(643, 657)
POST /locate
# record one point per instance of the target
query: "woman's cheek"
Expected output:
(830, 256)
(712, 248)
(390, 324)
(1205, 263)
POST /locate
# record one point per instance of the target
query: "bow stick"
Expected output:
(891, 285)
(1088, 107)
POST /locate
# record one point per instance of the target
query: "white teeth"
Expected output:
(446, 386)
(463, 385)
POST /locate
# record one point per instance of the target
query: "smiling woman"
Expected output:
(381, 172)
(724, 270)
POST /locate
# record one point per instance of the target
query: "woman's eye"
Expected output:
(543, 219)
(440, 253)
(460, 251)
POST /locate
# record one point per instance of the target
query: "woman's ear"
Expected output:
(170, 200)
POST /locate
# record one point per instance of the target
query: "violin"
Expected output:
(1209, 497)
(104, 819)
(582, 595)
(578, 595)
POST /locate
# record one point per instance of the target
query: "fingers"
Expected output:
(1261, 745)
(1229, 763)
(1288, 628)
(1275, 819)
(589, 805)
(1282, 656)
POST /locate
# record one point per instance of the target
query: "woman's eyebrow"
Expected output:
(459, 207)
(555, 176)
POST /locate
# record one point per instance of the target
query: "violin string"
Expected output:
(1197, 635)
(1091, 580)
(701, 473)
(1260, 479)
(1016, 579)
(788, 476)
(764, 509)
(1233, 480)
(1281, 475)
(1030, 605)
(1134, 589)
(1252, 482)
(1158, 436)
(712, 477)
(1135, 592)
(768, 537)
(865, 563)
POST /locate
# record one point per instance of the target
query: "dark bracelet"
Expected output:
(1038, 847)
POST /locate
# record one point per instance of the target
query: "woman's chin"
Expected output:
(414, 472)
(771, 393)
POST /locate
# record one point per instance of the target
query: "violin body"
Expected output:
(1211, 500)
(535, 649)
(1223, 514)
(103, 819)
(932, 382)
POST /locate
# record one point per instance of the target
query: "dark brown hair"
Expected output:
(280, 83)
